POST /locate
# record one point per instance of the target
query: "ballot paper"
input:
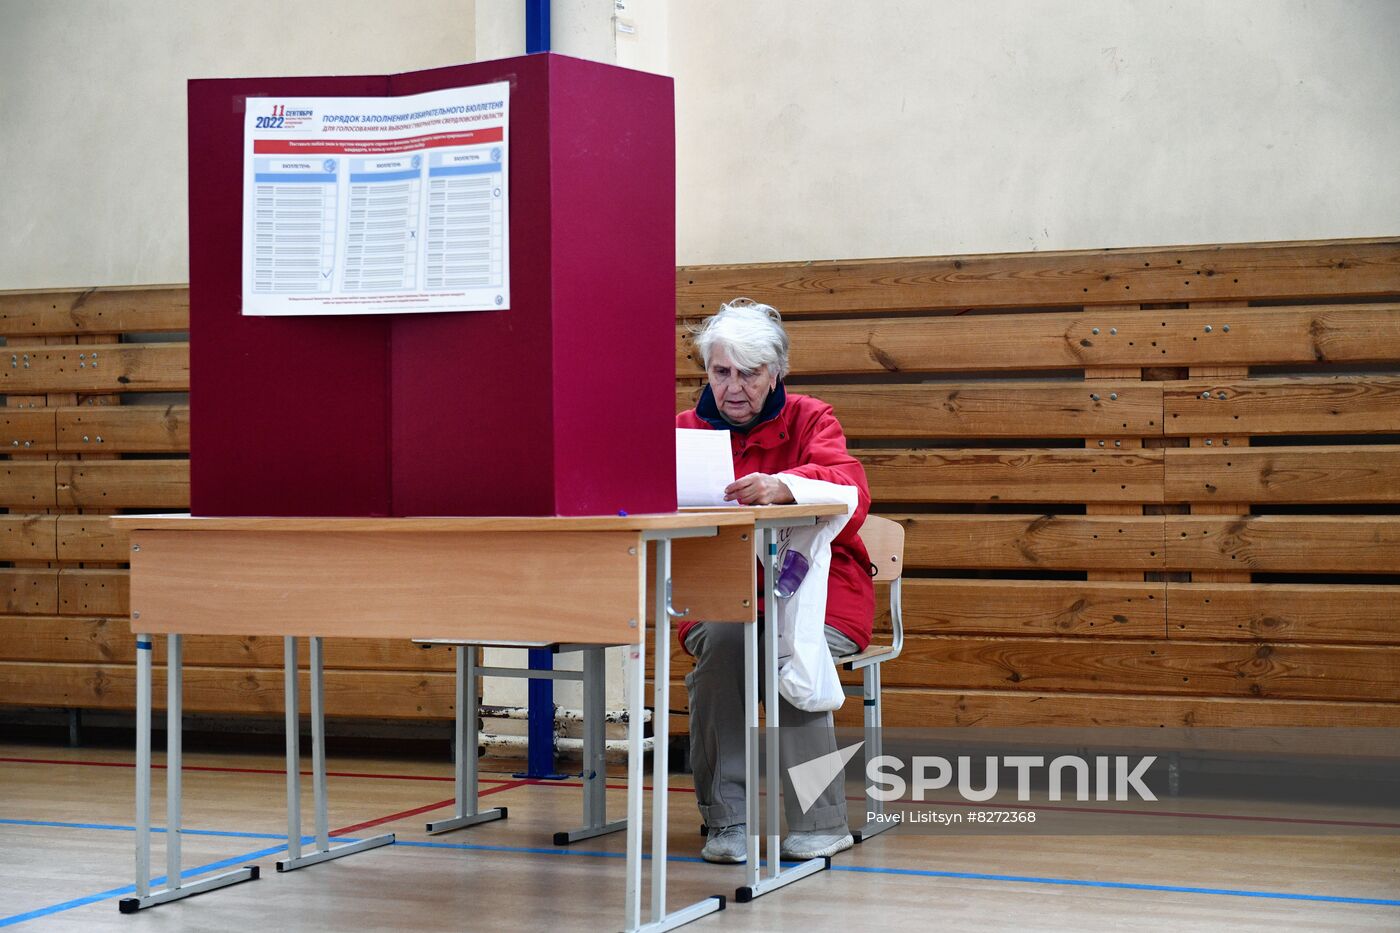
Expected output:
(704, 466)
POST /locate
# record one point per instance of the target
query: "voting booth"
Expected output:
(554, 397)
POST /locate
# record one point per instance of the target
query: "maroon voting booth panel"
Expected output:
(561, 404)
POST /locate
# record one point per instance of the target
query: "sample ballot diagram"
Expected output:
(377, 205)
(381, 240)
(466, 220)
(294, 225)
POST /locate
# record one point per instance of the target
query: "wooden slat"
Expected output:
(1284, 543)
(1283, 474)
(1096, 337)
(1164, 274)
(1047, 542)
(934, 708)
(123, 429)
(986, 409)
(1318, 613)
(104, 592)
(90, 538)
(28, 537)
(27, 484)
(26, 430)
(1202, 668)
(28, 591)
(104, 640)
(698, 564)
(112, 310)
(547, 586)
(124, 367)
(1289, 405)
(1217, 505)
(122, 484)
(1030, 607)
(1013, 475)
(362, 694)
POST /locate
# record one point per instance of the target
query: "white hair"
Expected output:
(751, 332)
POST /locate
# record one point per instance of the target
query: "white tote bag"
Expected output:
(806, 672)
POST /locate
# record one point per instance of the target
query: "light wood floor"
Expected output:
(66, 854)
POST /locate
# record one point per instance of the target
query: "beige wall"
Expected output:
(92, 112)
(828, 129)
(805, 128)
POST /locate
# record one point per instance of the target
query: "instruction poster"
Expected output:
(377, 205)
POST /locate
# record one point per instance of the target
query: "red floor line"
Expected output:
(424, 809)
(346, 774)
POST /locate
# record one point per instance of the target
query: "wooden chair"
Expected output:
(884, 540)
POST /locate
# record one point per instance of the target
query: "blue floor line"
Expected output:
(129, 889)
(1121, 885)
(594, 853)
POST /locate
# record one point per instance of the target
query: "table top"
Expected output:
(764, 513)
(647, 522)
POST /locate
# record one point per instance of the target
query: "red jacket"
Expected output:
(799, 434)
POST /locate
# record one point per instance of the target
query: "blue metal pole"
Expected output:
(536, 26)
(541, 690)
(540, 763)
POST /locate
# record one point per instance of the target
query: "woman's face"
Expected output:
(739, 393)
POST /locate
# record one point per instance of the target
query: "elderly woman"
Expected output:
(772, 433)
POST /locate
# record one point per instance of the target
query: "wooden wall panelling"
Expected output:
(1237, 475)
(107, 428)
(1085, 277)
(1053, 475)
(1312, 613)
(1058, 608)
(101, 590)
(1321, 544)
(121, 367)
(28, 590)
(1242, 669)
(28, 484)
(1098, 380)
(88, 538)
(70, 639)
(109, 310)
(938, 707)
(1362, 404)
(28, 538)
(361, 694)
(1018, 342)
(991, 409)
(109, 485)
(27, 430)
(1237, 439)
(1027, 542)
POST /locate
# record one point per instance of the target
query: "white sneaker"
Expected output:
(821, 843)
(726, 845)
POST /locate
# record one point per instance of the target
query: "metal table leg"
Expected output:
(774, 876)
(636, 663)
(323, 851)
(174, 889)
(595, 767)
(466, 812)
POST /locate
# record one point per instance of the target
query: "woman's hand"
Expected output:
(758, 489)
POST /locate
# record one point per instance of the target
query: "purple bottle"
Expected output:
(793, 572)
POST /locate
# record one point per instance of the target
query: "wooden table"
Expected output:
(577, 580)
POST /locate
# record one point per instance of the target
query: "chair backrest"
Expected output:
(884, 541)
